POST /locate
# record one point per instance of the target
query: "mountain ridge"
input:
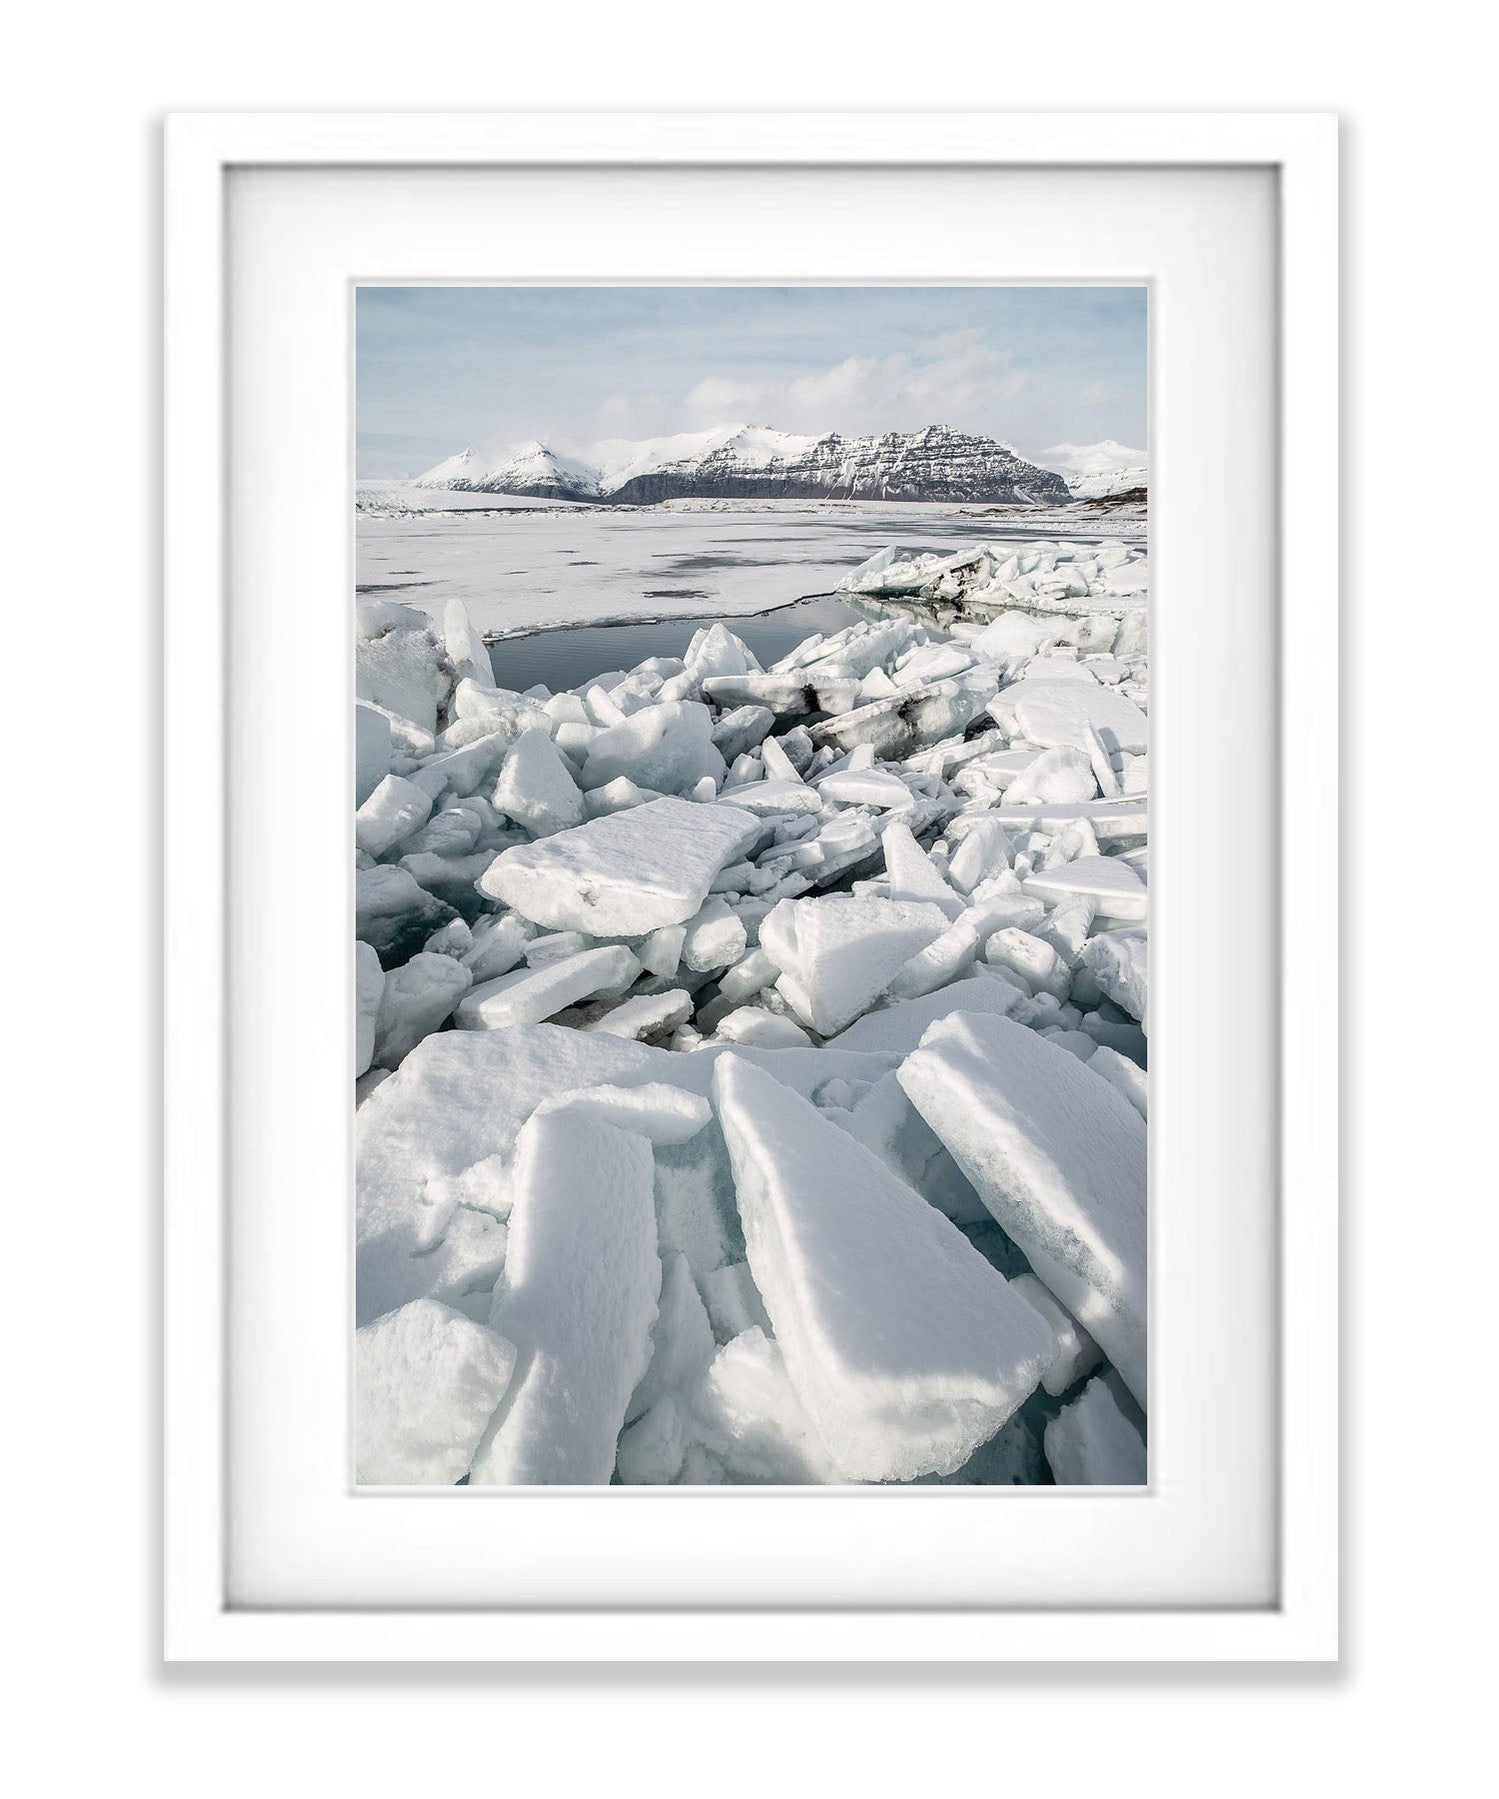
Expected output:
(742, 461)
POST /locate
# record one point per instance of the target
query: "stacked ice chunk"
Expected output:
(750, 1062)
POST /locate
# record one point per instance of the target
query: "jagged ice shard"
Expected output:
(906, 1348)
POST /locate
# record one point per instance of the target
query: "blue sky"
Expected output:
(442, 367)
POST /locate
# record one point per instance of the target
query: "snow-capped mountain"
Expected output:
(533, 471)
(755, 463)
(1100, 471)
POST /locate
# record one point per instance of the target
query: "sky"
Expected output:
(439, 368)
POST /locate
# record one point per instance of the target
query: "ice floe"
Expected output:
(750, 1060)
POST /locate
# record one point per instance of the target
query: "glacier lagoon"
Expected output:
(738, 1026)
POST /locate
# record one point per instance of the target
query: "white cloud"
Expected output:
(956, 379)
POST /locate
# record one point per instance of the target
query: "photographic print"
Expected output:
(751, 727)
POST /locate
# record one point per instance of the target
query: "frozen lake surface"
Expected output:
(522, 569)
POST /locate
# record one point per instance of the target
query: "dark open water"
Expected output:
(569, 656)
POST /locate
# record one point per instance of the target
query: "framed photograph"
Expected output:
(793, 613)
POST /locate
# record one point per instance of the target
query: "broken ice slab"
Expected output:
(1124, 1073)
(741, 730)
(394, 914)
(1115, 889)
(906, 1354)
(647, 1016)
(1059, 1158)
(769, 797)
(1077, 1353)
(1091, 1443)
(1063, 775)
(369, 984)
(536, 786)
(682, 1340)
(1119, 962)
(626, 874)
(1052, 713)
(530, 995)
(786, 695)
(426, 1384)
(665, 747)
(414, 1000)
(392, 812)
(910, 718)
(1113, 821)
(371, 750)
(837, 954)
(865, 787)
(744, 1423)
(900, 1027)
(754, 1025)
(578, 1298)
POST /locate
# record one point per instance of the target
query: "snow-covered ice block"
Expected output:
(646, 1016)
(682, 1340)
(1064, 774)
(714, 937)
(393, 913)
(883, 1119)
(393, 811)
(369, 984)
(499, 942)
(666, 747)
(768, 797)
(1059, 1158)
(1091, 1443)
(1035, 961)
(1052, 713)
(555, 946)
(913, 874)
(399, 663)
(1113, 886)
(905, 1346)
(536, 787)
(837, 954)
(984, 851)
(1077, 1353)
(529, 995)
(1120, 963)
(942, 961)
(426, 1383)
(797, 691)
(742, 729)
(765, 1030)
(865, 787)
(465, 645)
(1127, 1075)
(463, 769)
(899, 1028)
(577, 1298)
(748, 1418)
(458, 1100)
(414, 1000)
(624, 875)
(371, 750)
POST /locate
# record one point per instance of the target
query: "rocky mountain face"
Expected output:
(752, 463)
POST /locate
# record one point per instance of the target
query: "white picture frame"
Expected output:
(212, 1611)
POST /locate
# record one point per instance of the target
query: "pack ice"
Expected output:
(751, 1061)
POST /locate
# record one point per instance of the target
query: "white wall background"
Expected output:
(78, 437)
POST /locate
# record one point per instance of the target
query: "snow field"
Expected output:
(751, 1060)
